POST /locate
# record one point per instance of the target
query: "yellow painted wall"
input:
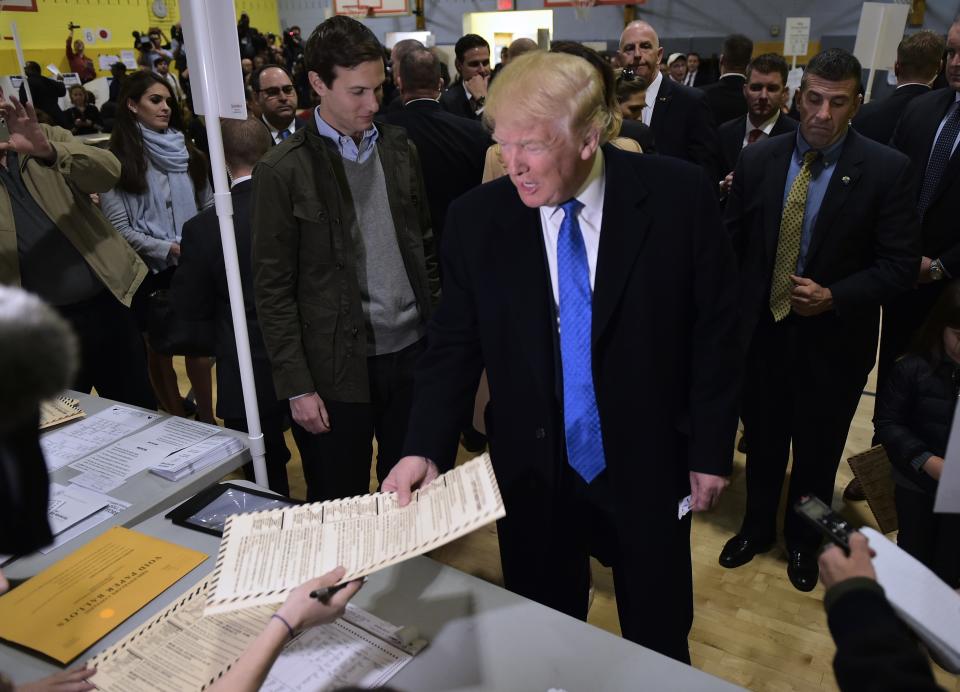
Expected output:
(44, 32)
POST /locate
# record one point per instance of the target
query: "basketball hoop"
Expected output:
(358, 10)
(582, 8)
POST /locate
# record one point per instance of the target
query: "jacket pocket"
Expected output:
(319, 329)
(316, 237)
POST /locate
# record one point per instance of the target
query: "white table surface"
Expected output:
(481, 637)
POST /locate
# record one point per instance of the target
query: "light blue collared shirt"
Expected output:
(822, 172)
(345, 145)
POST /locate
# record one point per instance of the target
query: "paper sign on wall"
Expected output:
(796, 37)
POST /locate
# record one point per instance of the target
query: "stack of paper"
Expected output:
(59, 410)
(198, 456)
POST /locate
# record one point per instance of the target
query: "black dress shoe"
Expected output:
(740, 549)
(803, 570)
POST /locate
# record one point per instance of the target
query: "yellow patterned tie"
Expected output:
(788, 244)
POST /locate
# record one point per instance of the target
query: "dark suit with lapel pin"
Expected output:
(733, 132)
(455, 100)
(665, 370)
(200, 294)
(939, 228)
(878, 119)
(684, 128)
(804, 375)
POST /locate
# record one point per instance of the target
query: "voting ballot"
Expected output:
(265, 555)
(68, 607)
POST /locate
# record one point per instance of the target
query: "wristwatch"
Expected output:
(936, 270)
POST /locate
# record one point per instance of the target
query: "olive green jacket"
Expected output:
(304, 263)
(63, 191)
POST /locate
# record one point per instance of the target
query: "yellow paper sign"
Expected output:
(65, 609)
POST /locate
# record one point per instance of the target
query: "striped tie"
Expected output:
(788, 244)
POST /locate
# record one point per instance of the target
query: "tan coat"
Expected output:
(63, 191)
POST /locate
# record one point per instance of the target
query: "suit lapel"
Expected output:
(662, 106)
(622, 233)
(928, 134)
(774, 181)
(528, 289)
(843, 180)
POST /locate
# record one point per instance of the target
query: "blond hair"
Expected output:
(554, 87)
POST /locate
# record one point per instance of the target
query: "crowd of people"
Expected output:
(656, 253)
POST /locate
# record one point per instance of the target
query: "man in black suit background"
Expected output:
(451, 148)
(200, 295)
(763, 91)
(555, 280)
(45, 93)
(679, 116)
(825, 229)
(695, 76)
(725, 97)
(918, 63)
(467, 95)
(928, 132)
(276, 97)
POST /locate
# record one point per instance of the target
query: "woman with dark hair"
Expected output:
(913, 417)
(83, 116)
(163, 183)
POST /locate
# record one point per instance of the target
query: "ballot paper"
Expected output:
(79, 439)
(112, 508)
(112, 466)
(69, 606)
(197, 456)
(265, 555)
(69, 505)
(59, 410)
(922, 600)
(181, 650)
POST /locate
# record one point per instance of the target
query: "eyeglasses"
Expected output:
(274, 92)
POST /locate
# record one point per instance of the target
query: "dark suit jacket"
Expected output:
(878, 119)
(684, 128)
(732, 133)
(864, 246)
(454, 100)
(639, 133)
(676, 391)
(940, 232)
(451, 149)
(725, 98)
(297, 124)
(46, 95)
(200, 295)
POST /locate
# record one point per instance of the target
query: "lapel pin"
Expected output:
(845, 180)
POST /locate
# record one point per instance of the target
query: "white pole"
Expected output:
(873, 58)
(793, 63)
(202, 66)
(19, 49)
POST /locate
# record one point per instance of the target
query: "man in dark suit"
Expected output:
(679, 116)
(725, 97)
(466, 96)
(399, 49)
(200, 295)
(918, 62)
(825, 229)
(276, 98)
(928, 132)
(45, 93)
(555, 281)
(763, 91)
(451, 148)
(695, 76)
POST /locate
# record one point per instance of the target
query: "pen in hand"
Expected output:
(324, 595)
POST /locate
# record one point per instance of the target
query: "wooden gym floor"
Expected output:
(751, 626)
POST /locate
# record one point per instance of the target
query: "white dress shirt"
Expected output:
(689, 79)
(652, 91)
(590, 218)
(766, 128)
(275, 133)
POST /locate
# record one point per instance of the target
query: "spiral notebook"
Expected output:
(59, 410)
(181, 650)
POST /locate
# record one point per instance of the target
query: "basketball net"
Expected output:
(582, 8)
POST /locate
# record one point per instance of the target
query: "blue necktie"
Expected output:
(581, 420)
(939, 158)
(284, 134)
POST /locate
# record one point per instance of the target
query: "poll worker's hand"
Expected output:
(477, 86)
(303, 612)
(705, 490)
(76, 680)
(310, 413)
(808, 298)
(933, 467)
(726, 184)
(174, 250)
(409, 474)
(836, 567)
(26, 137)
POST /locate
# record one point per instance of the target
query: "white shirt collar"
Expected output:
(652, 92)
(237, 181)
(274, 131)
(899, 86)
(766, 127)
(590, 194)
(733, 74)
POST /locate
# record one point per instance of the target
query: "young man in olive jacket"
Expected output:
(344, 269)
